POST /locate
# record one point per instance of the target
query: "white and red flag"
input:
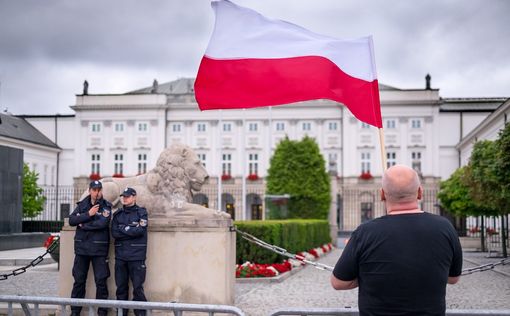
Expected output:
(253, 61)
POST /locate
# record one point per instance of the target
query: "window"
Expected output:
(391, 159)
(333, 126)
(364, 125)
(415, 123)
(306, 126)
(226, 164)
(367, 211)
(95, 166)
(201, 127)
(176, 128)
(143, 127)
(118, 127)
(118, 165)
(142, 163)
(253, 164)
(45, 175)
(227, 127)
(365, 162)
(391, 123)
(53, 175)
(332, 161)
(280, 126)
(253, 127)
(416, 161)
(202, 158)
(95, 127)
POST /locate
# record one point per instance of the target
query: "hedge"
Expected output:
(293, 235)
(42, 226)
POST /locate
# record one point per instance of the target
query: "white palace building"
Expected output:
(123, 134)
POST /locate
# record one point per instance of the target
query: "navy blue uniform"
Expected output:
(91, 243)
(129, 228)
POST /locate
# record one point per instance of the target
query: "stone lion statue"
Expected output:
(167, 190)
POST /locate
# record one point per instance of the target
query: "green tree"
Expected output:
(487, 185)
(481, 176)
(455, 197)
(502, 177)
(33, 200)
(298, 168)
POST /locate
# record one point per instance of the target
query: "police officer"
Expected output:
(91, 242)
(129, 228)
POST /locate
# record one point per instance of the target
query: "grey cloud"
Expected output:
(47, 48)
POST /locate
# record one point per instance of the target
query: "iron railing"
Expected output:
(62, 303)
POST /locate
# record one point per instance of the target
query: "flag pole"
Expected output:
(220, 172)
(381, 131)
(383, 149)
(243, 162)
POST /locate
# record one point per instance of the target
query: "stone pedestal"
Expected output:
(188, 261)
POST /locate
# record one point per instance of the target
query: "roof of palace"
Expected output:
(18, 128)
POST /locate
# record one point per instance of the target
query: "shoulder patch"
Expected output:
(106, 212)
(143, 222)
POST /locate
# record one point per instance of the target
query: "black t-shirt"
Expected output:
(402, 263)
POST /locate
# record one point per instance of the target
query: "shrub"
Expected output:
(293, 235)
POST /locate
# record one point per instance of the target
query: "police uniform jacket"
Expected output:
(129, 228)
(92, 236)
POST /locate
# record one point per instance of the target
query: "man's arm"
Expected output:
(456, 265)
(345, 273)
(338, 284)
(453, 280)
(77, 218)
(100, 221)
(129, 231)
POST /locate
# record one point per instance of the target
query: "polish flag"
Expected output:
(253, 61)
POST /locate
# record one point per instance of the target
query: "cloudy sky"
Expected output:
(48, 48)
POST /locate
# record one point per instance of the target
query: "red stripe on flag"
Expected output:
(248, 83)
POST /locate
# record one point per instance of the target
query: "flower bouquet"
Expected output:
(53, 238)
(225, 177)
(491, 231)
(258, 270)
(94, 176)
(365, 175)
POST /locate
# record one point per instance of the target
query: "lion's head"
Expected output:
(178, 171)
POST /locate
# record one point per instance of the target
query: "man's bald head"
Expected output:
(400, 184)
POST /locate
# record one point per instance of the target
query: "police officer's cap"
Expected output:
(95, 185)
(128, 192)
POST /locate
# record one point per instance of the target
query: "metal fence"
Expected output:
(356, 205)
(180, 309)
(59, 203)
(490, 227)
(62, 303)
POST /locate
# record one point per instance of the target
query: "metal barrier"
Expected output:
(176, 308)
(355, 312)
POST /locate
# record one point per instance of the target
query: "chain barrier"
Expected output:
(254, 240)
(280, 250)
(485, 267)
(320, 266)
(34, 262)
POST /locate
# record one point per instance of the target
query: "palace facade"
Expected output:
(123, 134)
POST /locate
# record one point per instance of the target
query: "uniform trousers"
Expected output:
(101, 273)
(134, 270)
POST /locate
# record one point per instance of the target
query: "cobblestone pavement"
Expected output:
(310, 288)
(307, 288)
